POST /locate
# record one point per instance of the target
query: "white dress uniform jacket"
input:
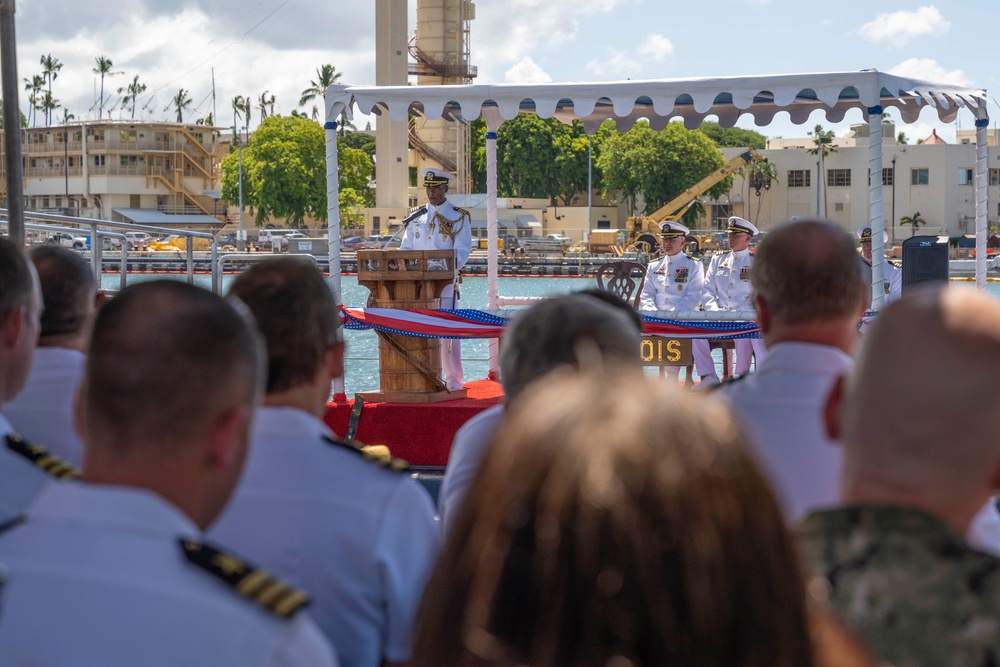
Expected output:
(20, 480)
(468, 450)
(360, 538)
(43, 412)
(673, 283)
(727, 282)
(98, 576)
(781, 407)
(442, 228)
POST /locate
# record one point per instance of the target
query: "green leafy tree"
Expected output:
(23, 121)
(915, 221)
(103, 69)
(180, 103)
(130, 94)
(50, 70)
(284, 172)
(359, 140)
(733, 137)
(351, 205)
(660, 166)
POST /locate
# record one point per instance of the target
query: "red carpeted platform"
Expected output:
(420, 433)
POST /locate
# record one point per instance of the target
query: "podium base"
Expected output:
(412, 396)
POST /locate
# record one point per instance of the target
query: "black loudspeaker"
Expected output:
(925, 259)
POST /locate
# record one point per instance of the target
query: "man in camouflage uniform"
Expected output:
(920, 459)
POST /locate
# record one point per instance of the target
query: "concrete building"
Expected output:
(934, 179)
(133, 171)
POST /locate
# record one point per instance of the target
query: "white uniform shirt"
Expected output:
(359, 538)
(20, 480)
(43, 412)
(441, 228)
(727, 282)
(673, 283)
(468, 450)
(781, 407)
(98, 577)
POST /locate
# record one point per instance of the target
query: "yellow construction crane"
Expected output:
(643, 230)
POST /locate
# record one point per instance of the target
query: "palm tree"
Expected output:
(34, 87)
(48, 105)
(50, 70)
(132, 92)
(823, 140)
(180, 102)
(326, 76)
(241, 110)
(103, 68)
(914, 221)
(264, 103)
(902, 139)
(67, 116)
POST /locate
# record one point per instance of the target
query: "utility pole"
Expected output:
(12, 123)
(590, 187)
(241, 238)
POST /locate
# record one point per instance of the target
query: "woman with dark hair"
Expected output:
(610, 530)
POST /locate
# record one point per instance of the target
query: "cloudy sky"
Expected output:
(255, 46)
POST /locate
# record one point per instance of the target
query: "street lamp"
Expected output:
(241, 237)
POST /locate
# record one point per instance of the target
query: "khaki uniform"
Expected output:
(917, 593)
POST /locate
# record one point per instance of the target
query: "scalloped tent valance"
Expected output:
(659, 101)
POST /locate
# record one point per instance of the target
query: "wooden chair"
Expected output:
(623, 279)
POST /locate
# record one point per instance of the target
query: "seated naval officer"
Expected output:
(358, 534)
(43, 412)
(113, 570)
(892, 274)
(546, 336)
(727, 287)
(22, 467)
(808, 297)
(443, 227)
(921, 456)
(676, 281)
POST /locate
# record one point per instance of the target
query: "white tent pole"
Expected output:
(982, 172)
(875, 205)
(493, 121)
(333, 225)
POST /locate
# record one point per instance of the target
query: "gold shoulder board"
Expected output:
(252, 583)
(376, 456)
(41, 457)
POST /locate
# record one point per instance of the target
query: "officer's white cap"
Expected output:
(865, 234)
(433, 177)
(671, 229)
(740, 225)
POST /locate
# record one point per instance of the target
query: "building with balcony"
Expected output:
(133, 171)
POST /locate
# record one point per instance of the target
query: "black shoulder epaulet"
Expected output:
(382, 460)
(252, 583)
(463, 211)
(896, 264)
(41, 457)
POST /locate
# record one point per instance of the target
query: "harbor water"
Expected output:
(362, 346)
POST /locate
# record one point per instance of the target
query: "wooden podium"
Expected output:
(409, 367)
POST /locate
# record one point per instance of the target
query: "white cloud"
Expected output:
(653, 50)
(529, 26)
(897, 29)
(928, 69)
(526, 71)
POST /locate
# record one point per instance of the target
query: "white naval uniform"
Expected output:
(43, 412)
(20, 480)
(359, 538)
(468, 450)
(727, 287)
(98, 577)
(674, 283)
(430, 232)
(781, 406)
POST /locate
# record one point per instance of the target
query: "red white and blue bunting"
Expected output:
(467, 323)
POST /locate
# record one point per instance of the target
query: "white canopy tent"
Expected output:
(660, 101)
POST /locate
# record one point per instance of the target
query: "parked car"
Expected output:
(281, 241)
(562, 238)
(137, 239)
(69, 240)
(352, 242)
(378, 241)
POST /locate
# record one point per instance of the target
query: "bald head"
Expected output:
(807, 270)
(917, 415)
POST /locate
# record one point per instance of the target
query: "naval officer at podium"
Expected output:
(443, 227)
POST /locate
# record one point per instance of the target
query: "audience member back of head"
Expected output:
(605, 531)
(920, 459)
